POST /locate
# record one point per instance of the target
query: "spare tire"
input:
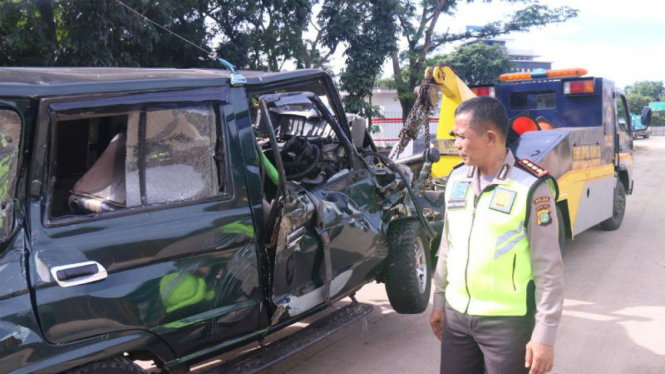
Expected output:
(408, 273)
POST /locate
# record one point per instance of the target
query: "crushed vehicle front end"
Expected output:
(333, 199)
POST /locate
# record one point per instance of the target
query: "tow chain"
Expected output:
(418, 117)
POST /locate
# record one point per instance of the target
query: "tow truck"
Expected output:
(576, 127)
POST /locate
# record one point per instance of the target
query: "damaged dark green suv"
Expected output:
(171, 215)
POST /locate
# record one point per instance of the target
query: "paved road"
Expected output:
(614, 313)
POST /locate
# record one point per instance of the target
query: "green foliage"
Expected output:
(651, 89)
(476, 63)
(260, 34)
(101, 33)
(388, 83)
(370, 30)
(658, 119)
(252, 34)
(641, 93)
(23, 38)
(637, 101)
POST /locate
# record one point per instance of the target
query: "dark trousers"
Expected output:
(478, 345)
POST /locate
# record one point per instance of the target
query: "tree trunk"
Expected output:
(45, 8)
(407, 104)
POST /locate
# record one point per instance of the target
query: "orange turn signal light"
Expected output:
(537, 74)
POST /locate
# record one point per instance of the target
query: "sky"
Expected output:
(620, 40)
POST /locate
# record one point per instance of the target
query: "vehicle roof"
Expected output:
(47, 81)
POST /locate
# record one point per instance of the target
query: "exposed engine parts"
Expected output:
(312, 160)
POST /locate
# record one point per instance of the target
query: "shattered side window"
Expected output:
(179, 153)
(10, 132)
(114, 158)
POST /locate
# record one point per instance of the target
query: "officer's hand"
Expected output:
(539, 357)
(436, 320)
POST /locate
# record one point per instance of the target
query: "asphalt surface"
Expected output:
(614, 311)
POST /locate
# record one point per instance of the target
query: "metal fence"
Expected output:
(657, 130)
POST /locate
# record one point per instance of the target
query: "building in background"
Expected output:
(522, 59)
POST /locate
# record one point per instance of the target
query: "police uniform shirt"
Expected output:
(546, 262)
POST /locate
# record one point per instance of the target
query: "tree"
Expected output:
(419, 18)
(101, 33)
(652, 89)
(641, 93)
(25, 37)
(259, 34)
(637, 101)
(476, 63)
(369, 28)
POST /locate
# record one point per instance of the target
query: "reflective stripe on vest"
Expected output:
(489, 262)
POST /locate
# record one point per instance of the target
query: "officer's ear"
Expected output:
(492, 137)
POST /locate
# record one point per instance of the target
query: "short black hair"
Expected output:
(484, 110)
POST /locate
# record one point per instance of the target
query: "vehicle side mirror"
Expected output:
(358, 129)
(646, 116)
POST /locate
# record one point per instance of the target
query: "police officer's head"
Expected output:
(487, 113)
(481, 128)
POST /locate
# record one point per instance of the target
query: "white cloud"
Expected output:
(616, 10)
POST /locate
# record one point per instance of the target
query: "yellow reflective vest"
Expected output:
(489, 262)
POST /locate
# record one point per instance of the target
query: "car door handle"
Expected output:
(77, 274)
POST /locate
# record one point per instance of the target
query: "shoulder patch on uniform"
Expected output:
(544, 217)
(542, 199)
(532, 167)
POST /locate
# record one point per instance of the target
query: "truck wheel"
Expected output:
(407, 276)
(618, 210)
(116, 365)
(562, 230)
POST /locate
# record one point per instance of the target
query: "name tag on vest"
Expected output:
(457, 198)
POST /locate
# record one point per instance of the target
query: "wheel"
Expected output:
(562, 230)
(407, 275)
(618, 210)
(116, 365)
(646, 136)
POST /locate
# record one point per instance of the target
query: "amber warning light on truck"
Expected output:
(540, 73)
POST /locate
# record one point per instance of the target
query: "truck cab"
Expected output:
(578, 128)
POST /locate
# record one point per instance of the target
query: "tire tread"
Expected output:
(401, 285)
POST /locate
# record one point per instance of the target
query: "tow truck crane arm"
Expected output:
(454, 91)
(437, 79)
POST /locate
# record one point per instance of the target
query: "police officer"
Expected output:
(499, 280)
